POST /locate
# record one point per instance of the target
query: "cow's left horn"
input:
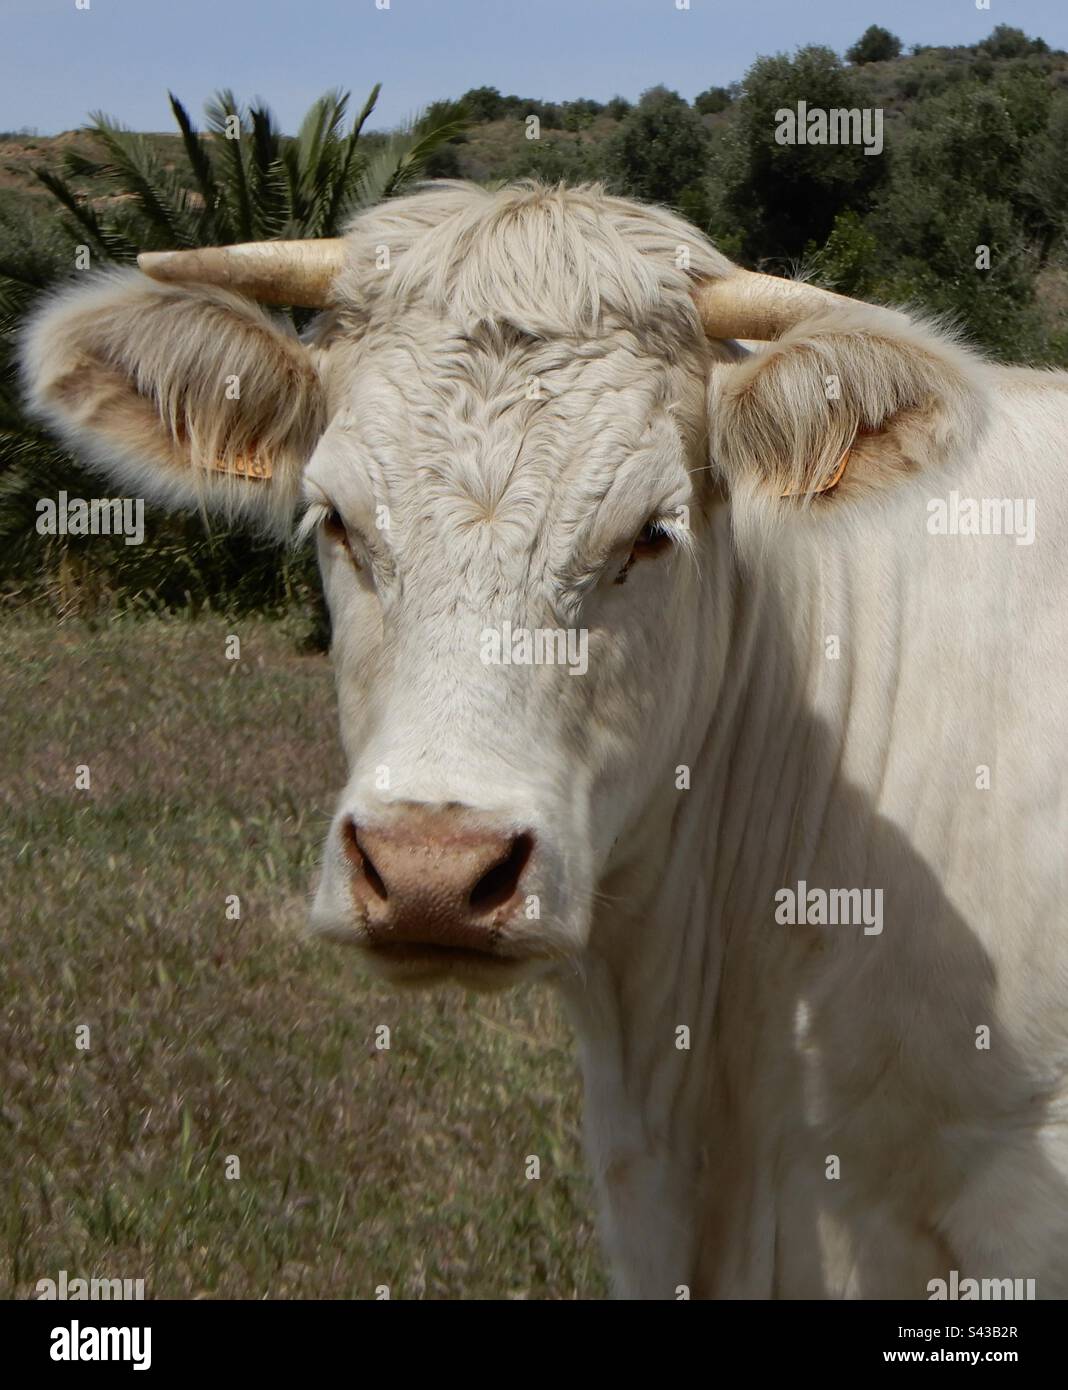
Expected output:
(276, 272)
(746, 304)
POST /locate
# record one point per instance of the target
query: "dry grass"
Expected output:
(211, 1037)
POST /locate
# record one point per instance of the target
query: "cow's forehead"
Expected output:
(492, 428)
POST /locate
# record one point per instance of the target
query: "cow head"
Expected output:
(520, 434)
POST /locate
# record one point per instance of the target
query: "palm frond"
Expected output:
(229, 124)
(349, 168)
(319, 134)
(134, 167)
(267, 182)
(403, 158)
(109, 243)
(203, 171)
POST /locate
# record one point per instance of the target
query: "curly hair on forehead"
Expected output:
(553, 261)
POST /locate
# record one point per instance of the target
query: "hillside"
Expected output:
(573, 138)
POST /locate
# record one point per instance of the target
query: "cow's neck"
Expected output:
(690, 1006)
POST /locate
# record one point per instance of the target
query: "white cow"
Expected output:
(726, 690)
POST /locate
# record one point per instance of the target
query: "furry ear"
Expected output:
(190, 395)
(841, 407)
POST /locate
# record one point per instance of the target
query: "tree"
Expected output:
(712, 101)
(552, 160)
(660, 149)
(1028, 98)
(954, 192)
(577, 115)
(484, 104)
(847, 260)
(242, 180)
(775, 198)
(1008, 42)
(875, 45)
(549, 113)
(1043, 187)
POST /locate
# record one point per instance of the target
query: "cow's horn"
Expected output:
(745, 304)
(276, 272)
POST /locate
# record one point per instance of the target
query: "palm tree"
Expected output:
(240, 179)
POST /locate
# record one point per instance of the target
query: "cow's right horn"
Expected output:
(275, 272)
(746, 304)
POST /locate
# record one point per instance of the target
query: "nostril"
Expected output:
(374, 878)
(498, 884)
(358, 857)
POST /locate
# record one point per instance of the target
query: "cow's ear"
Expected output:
(841, 408)
(191, 396)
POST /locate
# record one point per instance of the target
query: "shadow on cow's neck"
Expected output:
(807, 1106)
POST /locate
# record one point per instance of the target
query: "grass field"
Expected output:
(211, 1037)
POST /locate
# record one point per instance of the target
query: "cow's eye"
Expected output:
(650, 540)
(334, 528)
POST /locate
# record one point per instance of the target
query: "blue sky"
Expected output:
(58, 62)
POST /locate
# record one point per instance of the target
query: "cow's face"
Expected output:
(508, 532)
(502, 442)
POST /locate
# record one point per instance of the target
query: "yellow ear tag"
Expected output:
(832, 481)
(243, 466)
